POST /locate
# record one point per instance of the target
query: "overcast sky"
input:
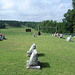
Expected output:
(34, 10)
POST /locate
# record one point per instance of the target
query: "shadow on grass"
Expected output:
(41, 54)
(44, 65)
(71, 41)
(63, 38)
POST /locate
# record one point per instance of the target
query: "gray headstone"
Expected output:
(31, 49)
(33, 61)
(34, 35)
(34, 58)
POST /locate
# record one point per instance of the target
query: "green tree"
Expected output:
(70, 18)
(73, 3)
(47, 26)
(2, 25)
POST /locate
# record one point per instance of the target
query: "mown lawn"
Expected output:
(56, 56)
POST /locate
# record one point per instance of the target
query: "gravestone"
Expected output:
(28, 30)
(0, 37)
(39, 33)
(31, 49)
(68, 39)
(52, 35)
(33, 63)
(34, 35)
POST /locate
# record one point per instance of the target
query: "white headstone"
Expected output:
(34, 58)
(33, 61)
(31, 49)
(68, 39)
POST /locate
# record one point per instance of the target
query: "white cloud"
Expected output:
(7, 4)
(34, 10)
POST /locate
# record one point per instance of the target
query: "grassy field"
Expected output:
(56, 56)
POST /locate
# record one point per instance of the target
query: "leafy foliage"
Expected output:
(2, 25)
(47, 26)
(73, 3)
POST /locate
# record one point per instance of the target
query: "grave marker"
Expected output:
(34, 35)
(33, 63)
(31, 49)
(68, 39)
(28, 30)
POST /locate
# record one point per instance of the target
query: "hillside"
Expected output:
(56, 56)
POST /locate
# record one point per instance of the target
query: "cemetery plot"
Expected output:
(58, 56)
(57, 35)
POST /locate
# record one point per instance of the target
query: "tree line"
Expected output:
(66, 26)
(6, 23)
(49, 26)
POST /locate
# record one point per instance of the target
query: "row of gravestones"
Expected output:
(58, 35)
(61, 36)
(33, 62)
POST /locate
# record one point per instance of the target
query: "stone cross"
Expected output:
(31, 49)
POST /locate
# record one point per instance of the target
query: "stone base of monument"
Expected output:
(33, 66)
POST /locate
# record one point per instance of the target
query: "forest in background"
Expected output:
(66, 26)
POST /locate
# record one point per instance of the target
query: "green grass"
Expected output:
(56, 56)
(16, 31)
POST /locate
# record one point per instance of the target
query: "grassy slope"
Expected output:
(16, 31)
(56, 56)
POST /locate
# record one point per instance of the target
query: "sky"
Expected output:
(34, 10)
